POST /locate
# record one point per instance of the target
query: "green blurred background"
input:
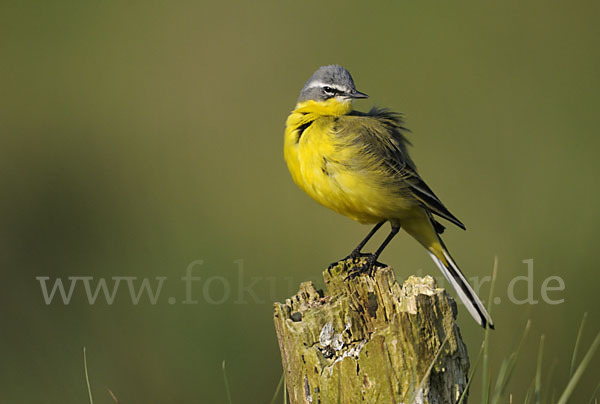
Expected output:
(138, 137)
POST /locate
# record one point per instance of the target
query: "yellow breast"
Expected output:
(316, 160)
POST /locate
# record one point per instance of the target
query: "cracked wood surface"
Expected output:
(369, 340)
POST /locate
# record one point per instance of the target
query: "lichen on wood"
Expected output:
(369, 340)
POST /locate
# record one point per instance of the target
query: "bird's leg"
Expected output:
(356, 253)
(372, 259)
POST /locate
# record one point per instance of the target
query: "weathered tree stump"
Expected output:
(368, 340)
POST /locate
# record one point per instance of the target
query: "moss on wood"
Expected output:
(369, 340)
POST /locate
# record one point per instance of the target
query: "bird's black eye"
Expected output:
(329, 90)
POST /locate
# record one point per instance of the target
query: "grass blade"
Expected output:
(464, 393)
(580, 370)
(595, 394)
(87, 377)
(550, 392)
(485, 377)
(576, 348)
(503, 376)
(426, 375)
(508, 367)
(112, 395)
(285, 400)
(538, 371)
(226, 384)
(528, 396)
(278, 388)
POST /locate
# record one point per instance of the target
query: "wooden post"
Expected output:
(368, 340)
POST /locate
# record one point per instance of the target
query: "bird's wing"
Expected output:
(380, 133)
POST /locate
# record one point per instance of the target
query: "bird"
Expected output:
(357, 164)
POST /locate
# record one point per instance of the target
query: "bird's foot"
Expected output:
(368, 265)
(356, 256)
(333, 265)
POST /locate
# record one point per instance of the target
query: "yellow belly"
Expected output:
(321, 168)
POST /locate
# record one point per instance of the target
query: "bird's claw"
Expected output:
(368, 266)
(332, 265)
(356, 256)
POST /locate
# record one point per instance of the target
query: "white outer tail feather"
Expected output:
(473, 303)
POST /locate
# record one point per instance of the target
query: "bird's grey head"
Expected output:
(329, 82)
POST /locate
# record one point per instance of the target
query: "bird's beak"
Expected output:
(358, 94)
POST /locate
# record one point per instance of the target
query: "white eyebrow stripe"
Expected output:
(321, 84)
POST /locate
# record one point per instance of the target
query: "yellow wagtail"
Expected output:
(357, 164)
